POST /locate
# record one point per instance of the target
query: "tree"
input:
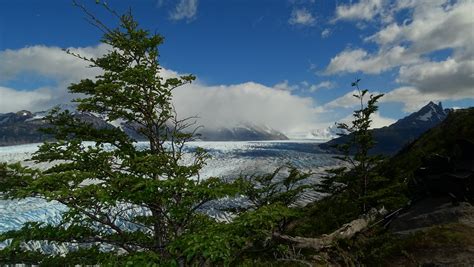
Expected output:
(125, 204)
(135, 201)
(355, 180)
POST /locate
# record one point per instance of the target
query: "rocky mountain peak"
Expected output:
(432, 112)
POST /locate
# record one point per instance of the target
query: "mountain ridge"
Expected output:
(22, 127)
(391, 139)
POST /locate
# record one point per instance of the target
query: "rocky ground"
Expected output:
(435, 232)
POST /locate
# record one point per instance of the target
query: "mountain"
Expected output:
(19, 128)
(22, 128)
(238, 132)
(391, 139)
(241, 132)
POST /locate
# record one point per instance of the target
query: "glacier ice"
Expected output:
(228, 159)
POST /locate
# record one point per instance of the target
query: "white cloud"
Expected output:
(325, 33)
(246, 102)
(414, 45)
(321, 85)
(378, 121)
(285, 85)
(185, 9)
(360, 60)
(410, 97)
(413, 99)
(449, 77)
(301, 16)
(346, 101)
(303, 86)
(12, 100)
(362, 10)
(51, 62)
(434, 25)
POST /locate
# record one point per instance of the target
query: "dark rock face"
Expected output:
(391, 139)
(23, 127)
(20, 128)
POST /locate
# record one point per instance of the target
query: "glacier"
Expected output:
(228, 160)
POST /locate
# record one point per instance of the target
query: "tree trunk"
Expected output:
(347, 231)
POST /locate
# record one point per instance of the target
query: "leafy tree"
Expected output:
(129, 205)
(355, 178)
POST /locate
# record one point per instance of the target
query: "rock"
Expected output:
(430, 212)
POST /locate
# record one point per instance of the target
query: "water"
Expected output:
(228, 160)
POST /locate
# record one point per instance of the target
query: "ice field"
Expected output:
(228, 159)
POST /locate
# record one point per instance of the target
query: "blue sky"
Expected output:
(263, 56)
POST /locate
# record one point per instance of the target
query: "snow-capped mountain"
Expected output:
(241, 132)
(22, 128)
(391, 139)
(427, 117)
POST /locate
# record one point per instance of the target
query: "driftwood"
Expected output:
(347, 231)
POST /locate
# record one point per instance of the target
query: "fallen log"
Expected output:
(347, 231)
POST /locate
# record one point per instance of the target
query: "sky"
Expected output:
(287, 64)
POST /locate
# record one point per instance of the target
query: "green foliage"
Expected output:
(324, 216)
(269, 188)
(130, 206)
(358, 185)
(356, 180)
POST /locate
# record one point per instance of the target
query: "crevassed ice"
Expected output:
(228, 159)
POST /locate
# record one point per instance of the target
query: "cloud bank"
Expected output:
(220, 105)
(247, 102)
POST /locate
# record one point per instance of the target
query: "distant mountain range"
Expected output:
(22, 128)
(391, 139)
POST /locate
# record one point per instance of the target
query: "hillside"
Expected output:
(437, 228)
(428, 189)
(23, 127)
(442, 139)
